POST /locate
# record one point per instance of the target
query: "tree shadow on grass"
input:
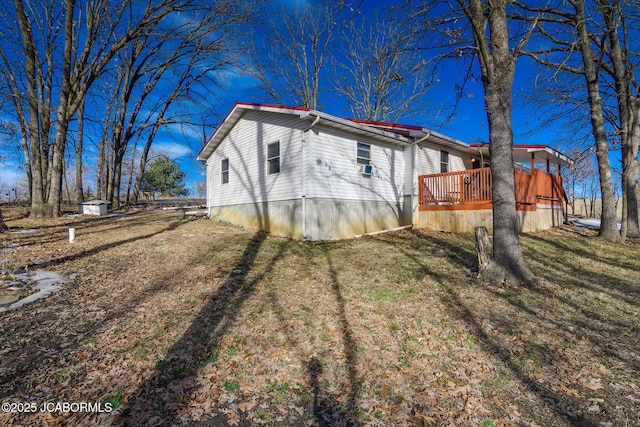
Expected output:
(157, 398)
(17, 363)
(92, 227)
(562, 316)
(581, 275)
(346, 415)
(583, 251)
(327, 410)
(560, 404)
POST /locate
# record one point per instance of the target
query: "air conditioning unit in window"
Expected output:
(366, 169)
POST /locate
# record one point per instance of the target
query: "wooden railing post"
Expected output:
(469, 186)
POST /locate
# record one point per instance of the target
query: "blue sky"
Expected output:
(469, 124)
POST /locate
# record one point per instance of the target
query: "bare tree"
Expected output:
(79, 193)
(181, 63)
(497, 59)
(289, 60)
(384, 74)
(622, 69)
(574, 41)
(608, 226)
(580, 176)
(3, 226)
(11, 88)
(61, 63)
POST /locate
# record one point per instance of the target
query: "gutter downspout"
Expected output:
(303, 197)
(481, 155)
(414, 175)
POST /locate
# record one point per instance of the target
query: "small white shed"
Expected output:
(94, 207)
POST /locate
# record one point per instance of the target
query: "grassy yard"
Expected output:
(174, 321)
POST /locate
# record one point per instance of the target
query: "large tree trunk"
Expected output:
(608, 220)
(630, 173)
(114, 197)
(3, 226)
(628, 114)
(497, 64)
(63, 115)
(38, 179)
(79, 193)
(508, 262)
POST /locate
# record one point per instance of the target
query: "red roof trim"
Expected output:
(282, 107)
(246, 104)
(385, 124)
(521, 146)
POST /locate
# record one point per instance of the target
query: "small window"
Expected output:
(273, 158)
(444, 161)
(364, 154)
(225, 171)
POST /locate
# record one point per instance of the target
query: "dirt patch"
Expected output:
(169, 320)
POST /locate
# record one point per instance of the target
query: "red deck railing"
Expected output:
(453, 188)
(473, 188)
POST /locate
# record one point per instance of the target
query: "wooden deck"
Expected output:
(471, 190)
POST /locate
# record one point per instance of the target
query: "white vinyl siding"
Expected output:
(246, 148)
(428, 159)
(335, 170)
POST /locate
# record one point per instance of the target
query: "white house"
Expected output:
(304, 174)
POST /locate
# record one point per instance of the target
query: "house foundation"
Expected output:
(324, 219)
(465, 221)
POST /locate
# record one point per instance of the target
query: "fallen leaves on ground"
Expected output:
(171, 320)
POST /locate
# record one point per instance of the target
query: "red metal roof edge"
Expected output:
(282, 107)
(385, 124)
(530, 146)
(246, 104)
(486, 144)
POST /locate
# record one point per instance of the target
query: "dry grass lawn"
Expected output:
(174, 321)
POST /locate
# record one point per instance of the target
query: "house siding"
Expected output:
(428, 159)
(246, 148)
(342, 202)
(336, 174)
(320, 192)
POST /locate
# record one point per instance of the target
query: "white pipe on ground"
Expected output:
(388, 230)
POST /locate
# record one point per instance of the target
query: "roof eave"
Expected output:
(554, 156)
(429, 135)
(234, 115)
(359, 127)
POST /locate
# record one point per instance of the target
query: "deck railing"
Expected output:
(453, 188)
(474, 186)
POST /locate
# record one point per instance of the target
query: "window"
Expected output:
(444, 161)
(273, 158)
(364, 154)
(225, 171)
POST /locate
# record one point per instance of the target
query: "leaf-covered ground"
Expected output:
(176, 321)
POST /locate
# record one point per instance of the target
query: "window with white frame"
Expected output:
(273, 158)
(444, 161)
(224, 166)
(364, 154)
